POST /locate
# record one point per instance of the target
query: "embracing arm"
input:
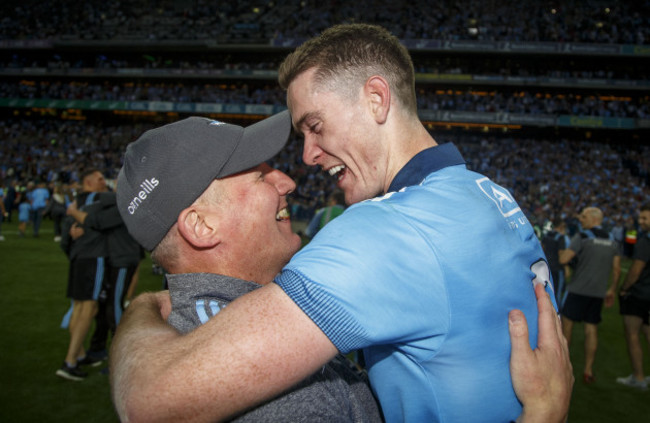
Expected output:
(254, 349)
(542, 378)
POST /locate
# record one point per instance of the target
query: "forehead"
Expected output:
(245, 176)
(319, 107)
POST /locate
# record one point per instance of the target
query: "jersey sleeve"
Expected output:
(360, 282)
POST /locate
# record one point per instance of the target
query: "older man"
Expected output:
(221, 230)
(597, 259)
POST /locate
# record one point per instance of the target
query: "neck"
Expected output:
(407, 141)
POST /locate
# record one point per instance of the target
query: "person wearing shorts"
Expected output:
(86, 250)
(597, 255)
(634, 300)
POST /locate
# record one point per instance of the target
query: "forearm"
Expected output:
(78, 215)
(105, 219)
(254, 349)
(136, 357)
(632, 277)
(616, 276)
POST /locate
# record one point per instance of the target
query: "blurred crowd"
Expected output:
(593, 21)
(430, 97)
(101, 61)
(549, 178)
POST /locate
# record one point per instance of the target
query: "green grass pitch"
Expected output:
(33, 277)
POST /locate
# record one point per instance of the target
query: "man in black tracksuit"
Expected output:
(123, 256)
(86, 250)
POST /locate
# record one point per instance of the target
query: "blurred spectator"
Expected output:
(40, 198)
(24, 211)
(334, 208)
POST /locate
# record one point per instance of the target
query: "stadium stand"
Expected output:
(551, 101)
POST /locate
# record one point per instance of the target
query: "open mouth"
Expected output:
(337, 171)
(283, 214)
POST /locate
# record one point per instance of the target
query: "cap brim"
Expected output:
(259, 143)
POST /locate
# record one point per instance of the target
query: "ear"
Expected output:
(198, 228)
(377, 91)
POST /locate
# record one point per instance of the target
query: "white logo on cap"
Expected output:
(217, 123)
(148, 185)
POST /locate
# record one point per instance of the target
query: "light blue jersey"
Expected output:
(39, 198)
(423, 279)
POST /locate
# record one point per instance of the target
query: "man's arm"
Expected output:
(75, 213)
(610, 295)
(543, 378)
(254, 349)
(633, 275)
(566, 255)
(262, 344)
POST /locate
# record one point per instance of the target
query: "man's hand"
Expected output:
(610, 297)
(72, 209)
(164, 302)
(543, 379)
(76, 231)
(78, 215)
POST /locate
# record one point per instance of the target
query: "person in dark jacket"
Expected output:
(86, 249)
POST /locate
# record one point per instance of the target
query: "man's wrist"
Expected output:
(540, 416)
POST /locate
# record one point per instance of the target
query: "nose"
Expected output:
(283, 183)
(311, 151)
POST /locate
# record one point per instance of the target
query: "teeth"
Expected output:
(283, 214)
(336, 169)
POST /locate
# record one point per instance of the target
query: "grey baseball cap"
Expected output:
(168, 168)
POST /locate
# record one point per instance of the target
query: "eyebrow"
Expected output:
(303, 118)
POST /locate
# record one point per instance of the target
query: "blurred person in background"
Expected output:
(597, 258)
(553, 242)
(334, 207)
(122, 259)
(56, 209)
(24, 215)
(87, 250)
(634, 300)
(39, 197)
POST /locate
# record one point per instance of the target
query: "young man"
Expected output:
(395, 275)
(233, 238)
(634, 299)
(597, 258)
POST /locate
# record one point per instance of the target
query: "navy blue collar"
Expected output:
(424, 163)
